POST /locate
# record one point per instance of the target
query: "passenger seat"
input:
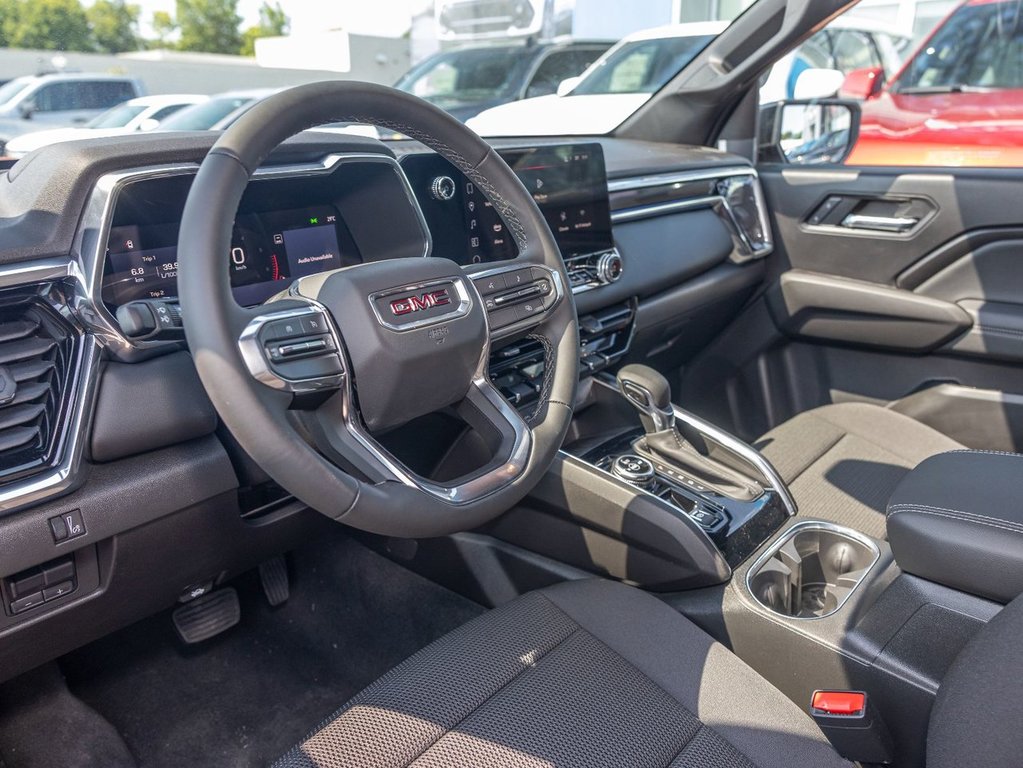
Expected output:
(843, 461)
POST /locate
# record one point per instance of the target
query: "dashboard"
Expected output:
(332, 225)
(661, 244)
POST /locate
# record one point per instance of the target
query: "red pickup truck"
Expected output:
(958, 101)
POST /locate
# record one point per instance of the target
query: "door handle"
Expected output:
(879, 223)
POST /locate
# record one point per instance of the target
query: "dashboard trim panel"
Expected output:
(680, 177)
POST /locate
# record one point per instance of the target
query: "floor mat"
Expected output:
(246, 697)
(42, 725)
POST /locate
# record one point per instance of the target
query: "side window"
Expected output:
(57, 97)
(559, 66)
(160, 114)
(854, 50)
(103, 94)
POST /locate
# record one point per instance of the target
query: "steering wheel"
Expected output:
(311, 423)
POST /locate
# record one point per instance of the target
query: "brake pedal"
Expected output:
(273, 575)
(207, 616)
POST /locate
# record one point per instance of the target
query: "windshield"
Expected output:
(643, 66)
(464, 76)
(118, 117)
(980, 46)
(9, 90)
(202, 117)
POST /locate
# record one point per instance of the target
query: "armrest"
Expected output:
(957, 519)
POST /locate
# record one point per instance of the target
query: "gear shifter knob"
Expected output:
(650, 393)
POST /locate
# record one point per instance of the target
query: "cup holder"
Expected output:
(812, 571)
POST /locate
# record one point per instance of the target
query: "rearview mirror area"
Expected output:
(808, 132)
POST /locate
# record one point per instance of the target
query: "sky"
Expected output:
(389, 18)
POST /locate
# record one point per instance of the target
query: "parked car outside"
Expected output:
(217, 112)
(845, 45)
(466, 81)
(142, 114)
(613, 87)
(38, 102)
(631, 72)
(958, 101)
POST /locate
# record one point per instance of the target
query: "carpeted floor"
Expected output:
(246, 697)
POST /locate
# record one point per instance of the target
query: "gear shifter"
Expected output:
(650, 394)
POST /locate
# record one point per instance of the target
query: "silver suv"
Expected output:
(36, 102)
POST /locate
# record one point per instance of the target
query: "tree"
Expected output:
(10, 15)
(210, 26)
(52, 25)
(273, 22)
(114, 25)
(164, 27)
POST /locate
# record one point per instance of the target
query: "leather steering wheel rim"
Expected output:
(257, 415)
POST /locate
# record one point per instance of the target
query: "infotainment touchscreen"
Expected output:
(568, 183)
(268, 251)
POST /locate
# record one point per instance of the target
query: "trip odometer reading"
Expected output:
(268, 250)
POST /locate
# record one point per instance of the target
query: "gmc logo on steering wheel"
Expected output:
(417, 302)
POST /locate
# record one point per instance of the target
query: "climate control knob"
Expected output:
(609, 267)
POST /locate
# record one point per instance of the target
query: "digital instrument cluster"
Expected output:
(268, 251)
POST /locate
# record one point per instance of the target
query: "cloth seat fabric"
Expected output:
(586, 674)
(842, 462)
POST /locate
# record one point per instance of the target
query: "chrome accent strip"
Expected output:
(753, 251)
(679, 177)
(472, 490)
(744, 450)
(732, 443)
(461, 309)
(814, 525)
(255, 359)
(90, 247)
(659, 209)
(468, 492)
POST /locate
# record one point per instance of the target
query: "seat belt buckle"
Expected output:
(852, 725)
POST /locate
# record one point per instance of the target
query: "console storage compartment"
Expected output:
(811, 571)
(957, 520)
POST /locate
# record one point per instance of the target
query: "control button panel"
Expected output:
(518, 295)
(292, 350)
(42, 584)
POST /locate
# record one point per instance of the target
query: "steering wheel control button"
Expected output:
(490, 284)
(285, 329)
(633, 469)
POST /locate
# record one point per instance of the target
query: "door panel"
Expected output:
(973, 199)
(927, 320)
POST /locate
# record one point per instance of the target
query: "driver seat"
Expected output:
(585, 673)
(594, 674)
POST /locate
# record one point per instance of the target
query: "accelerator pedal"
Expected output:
(273, 575)
(207, 616)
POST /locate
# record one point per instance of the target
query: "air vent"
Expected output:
(36, 353)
